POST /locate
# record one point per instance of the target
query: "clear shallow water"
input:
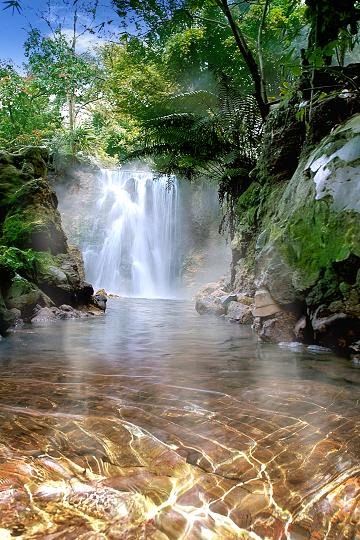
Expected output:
(154, 422)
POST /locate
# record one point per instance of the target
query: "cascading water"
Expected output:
(133, 248)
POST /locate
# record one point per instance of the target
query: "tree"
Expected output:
(69, 77)
(136, 79)
(155, 13)
(209, 135)
(57, 63)
(26, 115)
(15, 5)
(329, 20)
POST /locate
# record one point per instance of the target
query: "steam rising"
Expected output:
(141, 236)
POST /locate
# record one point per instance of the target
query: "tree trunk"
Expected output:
(248, 57)
(260, 50)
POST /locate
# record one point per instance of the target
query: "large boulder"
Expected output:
(37, 267)
(46, 315)
(308, 251)
(24, 296)
(209, 299)
(280, 327)
(100, 299)
(239, 312)
(32, 219)
(265, 305)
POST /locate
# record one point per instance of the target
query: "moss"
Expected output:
(313, 238)
(256, 205)
(15, 261)
(16, 231)
(11, 179)
(32, 219)
(37, 156)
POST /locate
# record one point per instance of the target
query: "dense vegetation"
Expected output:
(188, 88)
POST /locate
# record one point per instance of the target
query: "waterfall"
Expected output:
(133, 247)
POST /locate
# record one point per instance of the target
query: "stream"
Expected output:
(153, 422)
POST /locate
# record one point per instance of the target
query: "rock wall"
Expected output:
(38, 269)
(297, 247)
(308, 252)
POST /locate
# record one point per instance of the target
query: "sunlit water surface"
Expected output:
(155, 423)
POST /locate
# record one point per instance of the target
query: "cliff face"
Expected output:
(37, 267)
(296, 251)
(299, 239)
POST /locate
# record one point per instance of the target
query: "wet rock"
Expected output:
(44, 315)
(279, 328)
(211, 305)
(32, 219)
(300, 328)
(256, 325)
(275, 276)
(54, 276)
(318, 349)
(18, 321)
(306, 252)
(100, 299)
(293, 345)
(208, 300)
(355, 347)
(59, 277)
(245, 299)
(335, 330)
(238, 312)
(7, 317)
(48, 315)
(34, 157)
(265, 304)
(77, 257)
(225, 300)
(51, 273)
(24, 296)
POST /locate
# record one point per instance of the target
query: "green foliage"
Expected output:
(26, 114)
(16, 231)
(333, 24)
(219, 140)
(13, 260)
(135, 81)
(316, 239)
(80, 141)
(60, 71)
(207, 135)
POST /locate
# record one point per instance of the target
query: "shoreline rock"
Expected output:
(41, 276)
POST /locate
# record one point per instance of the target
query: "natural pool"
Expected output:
(156, 423)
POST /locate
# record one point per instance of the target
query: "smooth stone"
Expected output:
(239, 312)
(264, 304)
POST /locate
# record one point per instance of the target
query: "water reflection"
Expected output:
(155, 423)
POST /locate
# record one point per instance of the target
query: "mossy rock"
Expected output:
(33, 221)
(24, 295)
(7, 318)
(36, 156)
(14, 260)
(11, 179)
(314, 232)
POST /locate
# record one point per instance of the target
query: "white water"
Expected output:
(133, 249)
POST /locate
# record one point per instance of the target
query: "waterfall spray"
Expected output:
(133, 247)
